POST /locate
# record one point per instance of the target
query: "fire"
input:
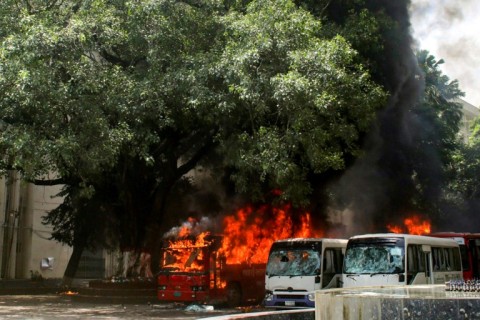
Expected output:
(247, 236)
(249, 233)
(412, 225)
(186, 254)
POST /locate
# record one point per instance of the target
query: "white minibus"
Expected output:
(400, 259)
(297, 267)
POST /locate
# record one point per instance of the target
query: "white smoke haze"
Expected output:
(194, 227)
(449, 30)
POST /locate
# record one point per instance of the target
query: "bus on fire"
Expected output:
(400, 259)
(297, 267)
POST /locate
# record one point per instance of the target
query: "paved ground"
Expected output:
(54, 306)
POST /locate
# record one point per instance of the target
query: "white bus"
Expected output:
(400, 259)
(297, 267)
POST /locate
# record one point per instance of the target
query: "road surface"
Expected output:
(53, 307)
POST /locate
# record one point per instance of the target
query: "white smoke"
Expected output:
(194, 227)
(449, 30)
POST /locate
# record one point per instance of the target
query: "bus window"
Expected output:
(415, 262)
(465, 259)
(438, 259)
(475, 250)
(452, 259)
(446, 259)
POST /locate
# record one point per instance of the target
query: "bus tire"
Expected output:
(234, 294)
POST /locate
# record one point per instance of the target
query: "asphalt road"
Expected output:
(65, 307)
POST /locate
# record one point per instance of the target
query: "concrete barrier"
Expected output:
(426, 302)
(300, 314)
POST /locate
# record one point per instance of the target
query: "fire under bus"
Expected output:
(195, 271)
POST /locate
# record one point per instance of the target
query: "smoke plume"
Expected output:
(373, 191)
(448, 29)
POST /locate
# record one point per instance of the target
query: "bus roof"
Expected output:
(451, 234)
(331, 240)
(411, 237)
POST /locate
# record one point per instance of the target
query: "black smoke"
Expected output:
(380, 187)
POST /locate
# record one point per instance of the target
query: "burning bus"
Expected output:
(198, 265)
(196, 270)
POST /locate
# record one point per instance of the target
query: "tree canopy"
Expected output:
(118, 100)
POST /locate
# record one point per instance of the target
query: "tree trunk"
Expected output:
(72, 266)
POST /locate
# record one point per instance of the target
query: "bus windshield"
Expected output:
(371, 258)
(293, 262)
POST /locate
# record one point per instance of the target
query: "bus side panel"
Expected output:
(366, 280)
(250, 280)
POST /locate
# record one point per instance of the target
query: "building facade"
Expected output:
(26, 250)
(469, 113)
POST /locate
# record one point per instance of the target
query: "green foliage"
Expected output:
(292, 82)
(441, 112)
(109, 95)
(122, 98)
(53, 100)
(464, 169)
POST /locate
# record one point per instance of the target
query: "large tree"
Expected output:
(438, 115)
(117, 100)
(307, 99)
(462, 194)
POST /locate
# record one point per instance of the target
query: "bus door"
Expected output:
(332, 268)
(418, 265)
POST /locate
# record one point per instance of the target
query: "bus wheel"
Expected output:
(234, 294)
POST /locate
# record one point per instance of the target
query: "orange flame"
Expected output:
(412, 225)
(186, 254)
(249, 233)
(247, 237)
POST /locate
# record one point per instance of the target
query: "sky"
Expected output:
(450, 30)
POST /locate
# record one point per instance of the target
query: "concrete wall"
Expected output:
(429, 302)
(25, 247)
(46, 256)
(24, 240)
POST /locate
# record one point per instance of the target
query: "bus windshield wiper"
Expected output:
(377, 273)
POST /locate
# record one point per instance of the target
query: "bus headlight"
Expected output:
(311, 296)
(162, 287)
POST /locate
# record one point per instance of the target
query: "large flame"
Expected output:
(249, 233)
(412, 225)
(186, 254)
(247, 236)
